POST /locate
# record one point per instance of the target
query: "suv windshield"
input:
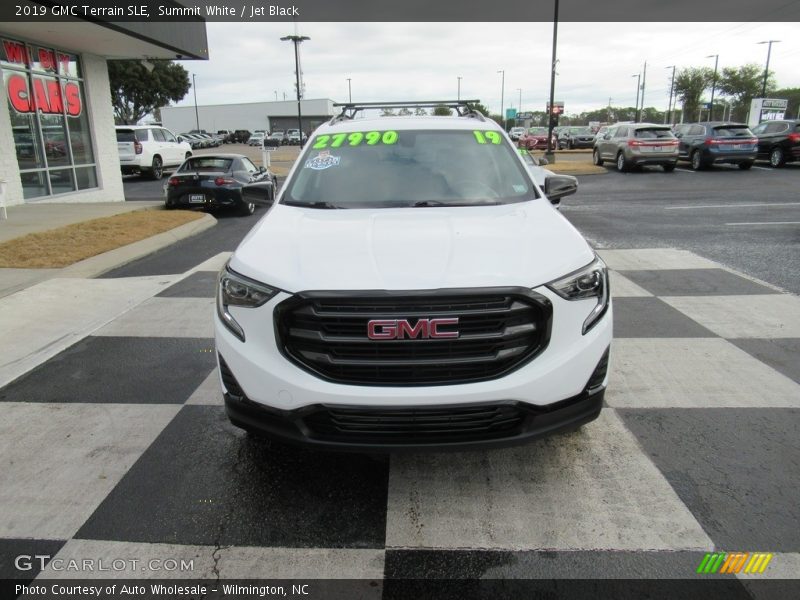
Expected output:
(396, 169)
(537, 131)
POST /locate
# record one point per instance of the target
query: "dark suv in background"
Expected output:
(709, 143)
(576, 137)
(778, 141)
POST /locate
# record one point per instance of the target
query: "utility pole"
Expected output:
(608, 112)
(550, 155)
(297, 40)
(519, 107)
(766, 69)
(459, 87)
(644, 82)
(349, 91)
(638, 88)
(713, 85)
(196, 114)
(671, 89)
(502, 97)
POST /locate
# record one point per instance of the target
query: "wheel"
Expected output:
(596, 158)
(247, 208)
(776, 158)
(668, 168)
(697, 161)
(157, 169)
(745, 166)
(622, 164)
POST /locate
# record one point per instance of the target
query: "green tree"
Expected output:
(690, 83)
(137, 91)
(420, 112)
(793, 96)
(442, 111)
(404, 112)
(742, 84)
(387, 112)
(478, 107)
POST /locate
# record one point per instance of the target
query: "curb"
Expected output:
(102, 263)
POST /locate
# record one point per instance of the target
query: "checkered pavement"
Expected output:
(116, 445)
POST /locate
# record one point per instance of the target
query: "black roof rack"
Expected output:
(464, 108)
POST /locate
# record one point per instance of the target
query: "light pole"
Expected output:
(349, 91)
(549, 154)
(671, 88)
(196, 114)
(276, 95)
(766, 69)
(502, 97)
(638, 87)
(644, 83)
(297, 40)
(459, 87)
(608, 112)
(713, 85)
(519, 106)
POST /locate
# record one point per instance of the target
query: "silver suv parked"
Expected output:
(636, 144)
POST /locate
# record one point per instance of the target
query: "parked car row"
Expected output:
(701, 144)
(200, 140)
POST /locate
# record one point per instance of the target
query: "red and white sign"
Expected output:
(47, 95)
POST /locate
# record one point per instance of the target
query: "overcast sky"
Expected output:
(421, 61)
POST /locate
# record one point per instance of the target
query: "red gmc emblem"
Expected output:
(398, 329)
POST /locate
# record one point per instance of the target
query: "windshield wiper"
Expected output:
(429, 203)
(312, 204)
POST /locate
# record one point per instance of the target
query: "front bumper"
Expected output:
(495, 424)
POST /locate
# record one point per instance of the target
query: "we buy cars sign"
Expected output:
(45, 94)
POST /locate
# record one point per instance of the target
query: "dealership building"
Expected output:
(57, 137)
(252, 116)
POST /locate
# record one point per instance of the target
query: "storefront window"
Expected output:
(50, 126)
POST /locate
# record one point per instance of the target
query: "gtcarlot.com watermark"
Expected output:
(30, 562)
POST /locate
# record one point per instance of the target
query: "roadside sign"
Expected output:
(558, 107)
(511, 113)
(270, 148)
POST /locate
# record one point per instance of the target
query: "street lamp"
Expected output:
(519, 106)
(713, 85)
(550, 156)
(459, 87)
(502, 97)
(766, 69)
(196, 114)
(638, 87)
(349, 91)
(297, 40)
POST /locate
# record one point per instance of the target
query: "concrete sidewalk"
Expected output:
(34, 218)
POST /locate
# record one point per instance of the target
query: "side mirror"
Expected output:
(607, 136)
(559, 186)
(678, 135)
(262, 169)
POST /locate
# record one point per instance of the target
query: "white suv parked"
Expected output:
(149, 150)
(413, 286)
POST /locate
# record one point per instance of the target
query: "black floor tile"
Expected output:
(695, 282)
(653, 318)
(783, 355)
(23, 559)
(197, 285)
(118, 370)
(735, 469)
(203, 481)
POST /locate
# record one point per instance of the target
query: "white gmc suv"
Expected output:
(413, 287)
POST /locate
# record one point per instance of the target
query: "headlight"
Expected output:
(589, 282)
(237, 290)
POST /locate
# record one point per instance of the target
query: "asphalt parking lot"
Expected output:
(696, 449)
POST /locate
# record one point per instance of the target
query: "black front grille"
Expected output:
(415, 425)
(499, 330)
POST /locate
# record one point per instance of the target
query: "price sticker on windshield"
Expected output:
(356, 138)
(487, 137)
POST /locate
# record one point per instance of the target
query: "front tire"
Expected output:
(668, 168)
(157, 168)
(596, 158)
(777, 158)
(622, 164)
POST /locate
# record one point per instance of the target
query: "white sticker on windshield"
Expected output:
(323, 160)
(519, 188)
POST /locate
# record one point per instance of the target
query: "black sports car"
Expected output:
(212, 181)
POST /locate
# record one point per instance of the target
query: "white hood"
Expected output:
(297, 249)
